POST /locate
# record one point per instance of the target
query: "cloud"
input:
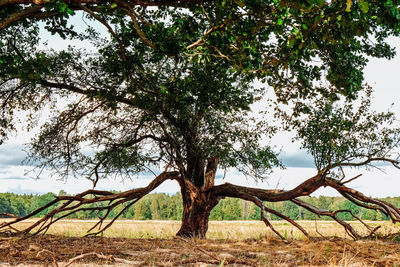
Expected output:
(16, 178)
(298, 159)
(25, 191)
(11, 155)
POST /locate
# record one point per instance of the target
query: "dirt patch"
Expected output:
(55, 250)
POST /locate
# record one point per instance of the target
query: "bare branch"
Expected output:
(389, 210)
(333, 215)
(369, 160)
(81, 91)
(73, 204)
(304, 189)
(108, 258)
(267, 223)
(201, 40)
(352, 179)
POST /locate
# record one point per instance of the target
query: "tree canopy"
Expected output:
(170, 86)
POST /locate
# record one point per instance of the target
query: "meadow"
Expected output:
(228, 243)
(235, 230)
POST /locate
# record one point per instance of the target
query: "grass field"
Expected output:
(228, 243)
(235, 230)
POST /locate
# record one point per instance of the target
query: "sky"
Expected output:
(381, 74)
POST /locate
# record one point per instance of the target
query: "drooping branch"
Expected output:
(265, 220)
(304, 189)
(320, 212)
(68, 205)
(260, 204)
(388, 209)
(257, 196)
(367, 161)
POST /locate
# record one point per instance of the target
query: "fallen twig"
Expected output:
(48, 252)
(200, 249)
(108, 258)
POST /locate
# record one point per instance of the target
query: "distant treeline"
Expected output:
(165, 207)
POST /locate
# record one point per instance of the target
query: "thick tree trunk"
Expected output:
(197, 207)
(198, 203)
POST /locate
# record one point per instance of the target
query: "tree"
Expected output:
(171, 88)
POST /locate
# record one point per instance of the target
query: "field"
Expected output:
(228, 243)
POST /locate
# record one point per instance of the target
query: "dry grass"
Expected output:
(235, 243)
(235, 230)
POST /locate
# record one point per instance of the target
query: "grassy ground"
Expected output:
(235, 230)
(235, 243)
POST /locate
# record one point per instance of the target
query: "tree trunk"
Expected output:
(197, 202)
(197, 206)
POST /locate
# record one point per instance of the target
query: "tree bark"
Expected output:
(197, 206)
(211, 170)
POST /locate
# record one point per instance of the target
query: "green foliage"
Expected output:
(172, 87)
(338, 133)
(159, 89)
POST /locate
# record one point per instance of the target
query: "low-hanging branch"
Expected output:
(69, 205)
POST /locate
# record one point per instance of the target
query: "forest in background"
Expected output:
(159, 206)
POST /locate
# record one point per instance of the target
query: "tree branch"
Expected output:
(87, 92)
(73, 204)
(120, 44)
(25, 13)
(177, 3)
(333, 215)
(132, 14)
(304, 189)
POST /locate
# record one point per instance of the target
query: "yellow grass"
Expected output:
(233, 230)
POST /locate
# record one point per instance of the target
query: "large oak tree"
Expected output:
(171, 86)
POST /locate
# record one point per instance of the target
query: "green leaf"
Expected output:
(280, 21)
(348, 5)
(240, 3)
(364, 6)
(1, 61)
(291, 41)
(114, 5)
(70, 11)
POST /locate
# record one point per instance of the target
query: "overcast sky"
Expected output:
(381, 74)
